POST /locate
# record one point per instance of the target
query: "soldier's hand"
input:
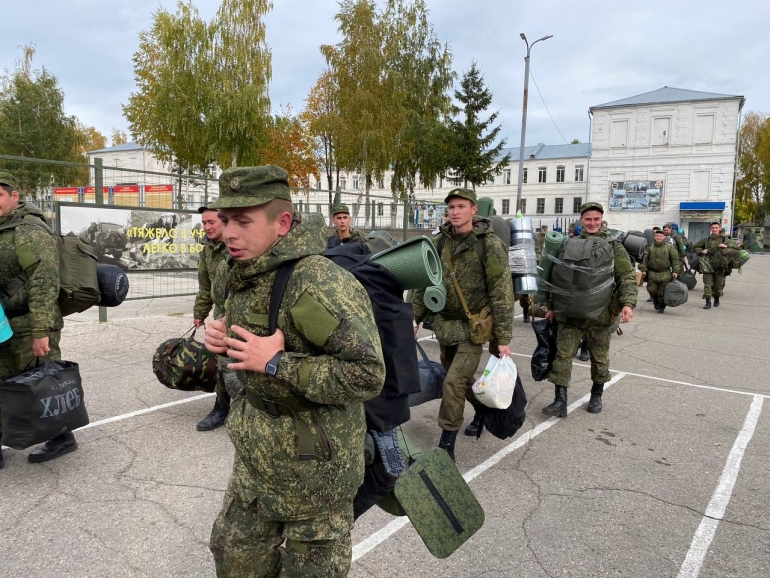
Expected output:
(626, 314)
(675, 275)
(504, 350)
(197, 323)
(216, 332)
(251, 351)
(40, 346)
(416, 329)
(704, 251)
(550, 315)
(722, 246)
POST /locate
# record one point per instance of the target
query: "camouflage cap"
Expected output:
(341, 208)
(571, 227)
(7, 179)
(241, 187)
(462, 193)
(594, 206)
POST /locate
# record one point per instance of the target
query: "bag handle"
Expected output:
(422, 352)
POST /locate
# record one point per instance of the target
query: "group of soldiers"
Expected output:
(296, 416)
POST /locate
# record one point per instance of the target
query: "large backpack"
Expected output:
(583, 277)
(78, 282)
(394, 323)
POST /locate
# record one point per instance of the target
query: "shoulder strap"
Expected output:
(276, 296)
(481, 249)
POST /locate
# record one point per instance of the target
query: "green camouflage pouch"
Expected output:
(439, 503)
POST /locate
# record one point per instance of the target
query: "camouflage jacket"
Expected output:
(332, 357)
(355, 236)
(482, 284)
(208, 263)
(660, 260)
(39, 296)
(720, 258)
(626, 290)
(678, 243)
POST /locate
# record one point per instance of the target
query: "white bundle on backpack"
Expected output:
(495, 386)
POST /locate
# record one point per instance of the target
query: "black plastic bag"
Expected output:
(432, 375)
(545, 353)
(504, 423)
(42, 403)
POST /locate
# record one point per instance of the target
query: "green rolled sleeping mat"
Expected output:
(415, 263)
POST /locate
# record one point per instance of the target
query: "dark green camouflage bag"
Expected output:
(185, 364)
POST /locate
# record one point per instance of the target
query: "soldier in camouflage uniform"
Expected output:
(660, 265)
(299, 431)
(33, 311)
(713, 250)
(482, 284)
(213, 255)
(597, 332)
(344, 233)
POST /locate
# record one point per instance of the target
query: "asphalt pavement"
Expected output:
(669, 480)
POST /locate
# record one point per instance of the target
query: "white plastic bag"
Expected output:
(495, 386)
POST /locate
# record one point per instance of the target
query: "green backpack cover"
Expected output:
(78, 283)
(583, 277)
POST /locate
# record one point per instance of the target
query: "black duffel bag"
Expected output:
(689, 279)
(545, 352)
(504, 423)
(42, 403)
(432, 375)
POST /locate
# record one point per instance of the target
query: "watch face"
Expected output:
(271, 368)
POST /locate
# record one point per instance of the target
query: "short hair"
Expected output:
(8, 189)
(276, 208)
(656, 229)
(715, 223)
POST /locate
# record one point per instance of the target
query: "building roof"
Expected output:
(129, 146)
(666, 95)
(549, 152)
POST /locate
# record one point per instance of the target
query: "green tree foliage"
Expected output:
(752, 198)
(33, 124)
(202, 87)
(321, 116)
(118, 137)
(474, 158)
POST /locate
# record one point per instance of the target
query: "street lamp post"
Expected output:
(524, 115)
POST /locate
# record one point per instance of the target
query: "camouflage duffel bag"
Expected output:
(185, 364)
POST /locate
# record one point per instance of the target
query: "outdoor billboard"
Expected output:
(636, 196)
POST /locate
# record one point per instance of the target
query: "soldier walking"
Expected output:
(344, 233)
(209, 262)
(661, 264)
(30, 252)
(714, 263)
(476, 261)
(299, 431)
(596, 332)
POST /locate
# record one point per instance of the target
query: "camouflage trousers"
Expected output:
(713, 284)
(16, 354)
(568, 338)
(461, 362)
(246, 545)
(656, 289)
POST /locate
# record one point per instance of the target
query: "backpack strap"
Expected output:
(481, 250)
(279, 288)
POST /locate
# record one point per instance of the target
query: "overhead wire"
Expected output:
(549, 112)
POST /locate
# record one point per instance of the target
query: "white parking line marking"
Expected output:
(368, 544)
(143, 411)
(721, 497)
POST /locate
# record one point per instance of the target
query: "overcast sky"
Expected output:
(600, 51)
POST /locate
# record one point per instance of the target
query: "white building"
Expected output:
(666, 156)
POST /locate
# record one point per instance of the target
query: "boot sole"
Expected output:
(555, 413)
(48, 457)
(594, 410)
(207, 428)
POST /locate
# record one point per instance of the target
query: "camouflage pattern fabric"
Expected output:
(596, 332)
(460, 362)
(713, 284)
(332, 357)
(16, 355)
(656, 289)
(660, 260)
(185, 364)
(356, 236)
(208, 265)
(720, 261)
(482, 284)
(41, 293)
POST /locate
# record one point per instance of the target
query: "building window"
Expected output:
(559, 174)
(318, 185)
(619, 134)
(577, 202)
(355, 183)
(558, 207)
(490, 181)
(380, 209)
(541, 174)
(704, 128)
(524, 179)
(380, 183)
(506, 205)
(523, 206)
(318, 208)
(342, 184)
(507, 177)
(540, 206)
(578, 173)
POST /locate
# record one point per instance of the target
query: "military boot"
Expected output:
(661, 307)
(559, 405)
(585, 355)
(716, 301)
(708, 303)
(526, 315)
(651, 300)
(595, 403)
(53, 448)
(475, 428)
(447, 442)
(216, 416)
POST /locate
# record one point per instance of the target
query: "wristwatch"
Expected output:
(272, 366)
